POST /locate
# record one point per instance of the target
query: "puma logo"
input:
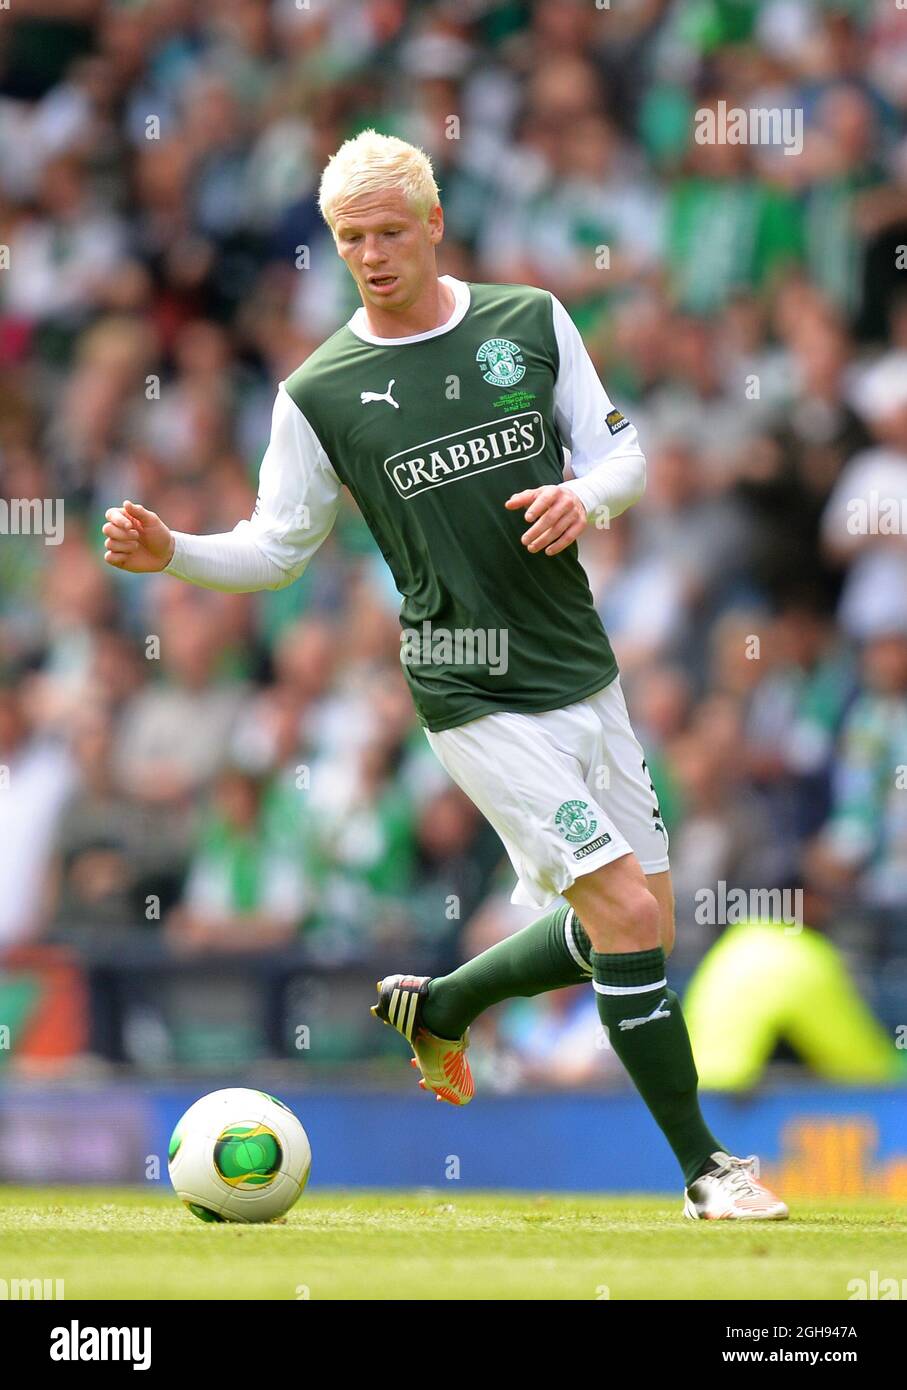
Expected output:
(658, 1012)
(366, 396)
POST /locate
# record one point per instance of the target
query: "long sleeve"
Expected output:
(298, 498)
(608, 464)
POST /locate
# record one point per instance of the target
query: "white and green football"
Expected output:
(239, 1155)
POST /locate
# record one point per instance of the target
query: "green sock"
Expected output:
(646, 1029)
(530, 962)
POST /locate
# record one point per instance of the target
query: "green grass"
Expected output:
(432, 1244)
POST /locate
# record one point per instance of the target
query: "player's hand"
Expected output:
(556, 514)
(136, 539)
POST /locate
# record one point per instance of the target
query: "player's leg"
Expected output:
(531, 777)
(434, 1014)
(627, 912)
(630, 906)
(530, 962)
(623, 921)
(536, 794)
(520, 772)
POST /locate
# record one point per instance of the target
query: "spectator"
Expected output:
(245, 889)
(112, 869)
(864, 842)
(36, 776)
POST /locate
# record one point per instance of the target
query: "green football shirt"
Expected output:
(432, 434)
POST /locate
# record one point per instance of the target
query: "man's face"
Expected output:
(388, 248)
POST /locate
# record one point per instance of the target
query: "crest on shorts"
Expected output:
(575, 821)
(501, 361)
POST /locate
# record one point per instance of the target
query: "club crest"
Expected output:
(501, 361)
(574, 821)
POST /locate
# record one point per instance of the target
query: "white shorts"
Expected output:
(567, 790)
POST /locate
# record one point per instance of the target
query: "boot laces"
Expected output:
(741, 1176)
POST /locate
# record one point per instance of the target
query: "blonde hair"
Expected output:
(371, 162)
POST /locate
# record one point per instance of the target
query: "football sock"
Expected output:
(530, 962)
(646, 1029)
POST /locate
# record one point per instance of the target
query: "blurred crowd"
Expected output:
(237, 772)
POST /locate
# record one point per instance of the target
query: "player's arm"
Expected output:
(298, 498)
(609, 469)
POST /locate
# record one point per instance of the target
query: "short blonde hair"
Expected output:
(370, 162)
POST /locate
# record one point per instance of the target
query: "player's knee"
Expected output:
(628, 922)
(641, 920)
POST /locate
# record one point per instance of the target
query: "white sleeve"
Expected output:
(298, 498)
(608, 465)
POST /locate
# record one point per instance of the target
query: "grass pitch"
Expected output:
(115, 1243)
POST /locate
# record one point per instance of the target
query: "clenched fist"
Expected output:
(136, 539)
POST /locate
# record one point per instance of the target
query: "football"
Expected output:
(239, 1155)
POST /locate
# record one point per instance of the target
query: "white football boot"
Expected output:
(731, 1192)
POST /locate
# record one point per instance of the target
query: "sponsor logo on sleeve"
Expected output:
(616, 422)
(593, 845)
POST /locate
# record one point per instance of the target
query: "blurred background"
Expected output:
(219, 819)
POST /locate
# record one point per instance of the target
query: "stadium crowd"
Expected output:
(234, 772)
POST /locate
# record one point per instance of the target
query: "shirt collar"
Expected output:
(358, 324)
